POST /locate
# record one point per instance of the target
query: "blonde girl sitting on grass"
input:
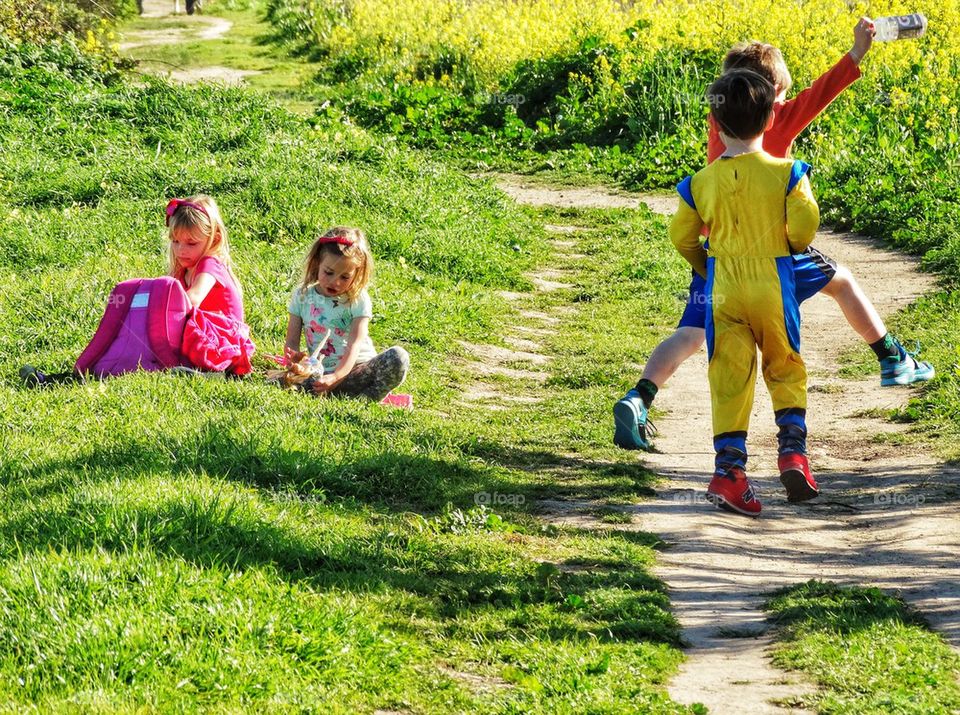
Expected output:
(332, 310)
(215, 338)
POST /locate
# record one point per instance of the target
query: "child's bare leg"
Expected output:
(896, 366)
(630, 413)
(669, 355)
(856, 306)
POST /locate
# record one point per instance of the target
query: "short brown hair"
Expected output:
(762, 58)
(741, 102)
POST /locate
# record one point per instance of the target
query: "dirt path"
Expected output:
(885, 517)
(175, 28)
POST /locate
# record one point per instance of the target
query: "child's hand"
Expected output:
(293, 356)
(324, 383)
(862, 39)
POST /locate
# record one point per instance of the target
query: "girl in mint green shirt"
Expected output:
(332, 301)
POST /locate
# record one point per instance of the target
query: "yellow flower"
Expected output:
(898, 98)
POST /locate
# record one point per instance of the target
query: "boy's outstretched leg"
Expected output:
(897, 366)
(631, 427)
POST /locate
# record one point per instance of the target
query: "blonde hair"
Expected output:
(354, 247)
(762, 58)
(207, 225)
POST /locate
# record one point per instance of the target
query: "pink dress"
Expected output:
(216, 337)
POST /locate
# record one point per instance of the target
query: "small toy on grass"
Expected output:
(297, 373)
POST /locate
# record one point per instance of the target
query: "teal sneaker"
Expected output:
(904, 370)
(631, 426)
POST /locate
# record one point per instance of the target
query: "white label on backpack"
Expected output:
(140, 300)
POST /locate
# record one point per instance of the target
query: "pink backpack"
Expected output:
(141, 329)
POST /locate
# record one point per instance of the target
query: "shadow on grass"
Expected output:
(558, 476)
(394, 480)
(344, 548)
(349, 546)
(838, 609)
(890, 660)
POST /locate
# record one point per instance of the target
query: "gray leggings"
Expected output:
(375, 378)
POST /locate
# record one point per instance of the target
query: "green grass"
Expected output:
(209, 545)
(868, 651)
(223, 546)
(935, 414)
(881, 167)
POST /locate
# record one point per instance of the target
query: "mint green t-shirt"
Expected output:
(321, 312)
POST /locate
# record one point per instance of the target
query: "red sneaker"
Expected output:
(796, 478)
(732, 491)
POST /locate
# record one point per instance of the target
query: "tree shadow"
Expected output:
(566, 477)
(611, 599)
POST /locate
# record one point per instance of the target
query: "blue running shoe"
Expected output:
(631, 424)
(904, 370)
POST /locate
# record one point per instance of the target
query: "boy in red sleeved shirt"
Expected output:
(814, 271)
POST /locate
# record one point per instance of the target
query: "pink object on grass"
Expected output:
(141, 329)
(397, 399)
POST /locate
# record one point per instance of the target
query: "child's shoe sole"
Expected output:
(742, 498)
(722, 503)
(30, 376)
(626, 433)
(797, 486)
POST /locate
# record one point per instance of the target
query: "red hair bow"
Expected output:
(335, 239)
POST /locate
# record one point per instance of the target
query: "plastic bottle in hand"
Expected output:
(899, 27)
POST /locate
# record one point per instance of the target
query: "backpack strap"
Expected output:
(168, 309)
(118, 305)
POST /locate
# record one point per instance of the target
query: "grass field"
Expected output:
(870, 652)
(222, 546)
(614, 93)
(203, 544)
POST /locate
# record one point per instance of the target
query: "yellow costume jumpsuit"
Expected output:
(759, 210)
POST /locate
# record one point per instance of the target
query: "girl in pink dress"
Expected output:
(215, 338)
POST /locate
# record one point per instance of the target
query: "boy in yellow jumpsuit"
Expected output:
(759, 211)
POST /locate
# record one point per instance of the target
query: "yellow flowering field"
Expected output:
(616, 88)
(488, 37)
(37, 22)
(643, 54)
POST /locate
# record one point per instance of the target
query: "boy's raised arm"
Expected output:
(795, 114)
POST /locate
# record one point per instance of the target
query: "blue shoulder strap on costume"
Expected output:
(797, 172)
(683, 188)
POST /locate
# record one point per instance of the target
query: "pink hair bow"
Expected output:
(175, 204)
